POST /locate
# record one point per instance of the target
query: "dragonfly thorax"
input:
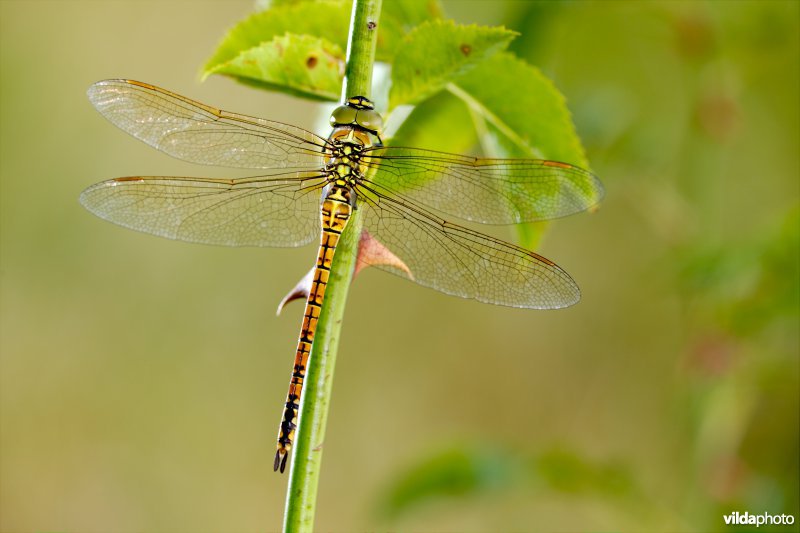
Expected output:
(343, 161)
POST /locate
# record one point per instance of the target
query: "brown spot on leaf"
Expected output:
(466, 49)
(371, 25)
(311, 61)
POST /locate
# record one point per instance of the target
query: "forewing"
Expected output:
(260, 211)
(203, 134)
(489, 191)
(462, 262)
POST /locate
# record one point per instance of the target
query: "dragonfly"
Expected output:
(309, 188)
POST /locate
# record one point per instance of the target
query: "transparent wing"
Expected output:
(462, 262)
(258, 211)
(489, 191)
(203, 134)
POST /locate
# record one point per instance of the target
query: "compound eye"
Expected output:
(370, 120)
(343, 116)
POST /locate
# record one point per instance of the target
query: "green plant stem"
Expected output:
(307, 455)
(361, 48)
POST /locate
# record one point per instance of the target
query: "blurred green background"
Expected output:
(142, 379)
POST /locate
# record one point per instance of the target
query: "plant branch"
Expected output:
(361, 48)
(307, 452)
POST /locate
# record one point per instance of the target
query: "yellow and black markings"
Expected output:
(344, 167)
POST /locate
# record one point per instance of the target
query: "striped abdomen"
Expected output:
(335, 213)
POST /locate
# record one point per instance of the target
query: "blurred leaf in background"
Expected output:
(466, 471)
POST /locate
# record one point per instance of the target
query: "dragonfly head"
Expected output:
(358, 111)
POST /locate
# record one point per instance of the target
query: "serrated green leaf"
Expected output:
(297, 64)
(326, 20)
(528, 116)
(526, 107)
(436, 52)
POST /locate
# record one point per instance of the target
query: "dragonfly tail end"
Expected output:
(280, 460)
